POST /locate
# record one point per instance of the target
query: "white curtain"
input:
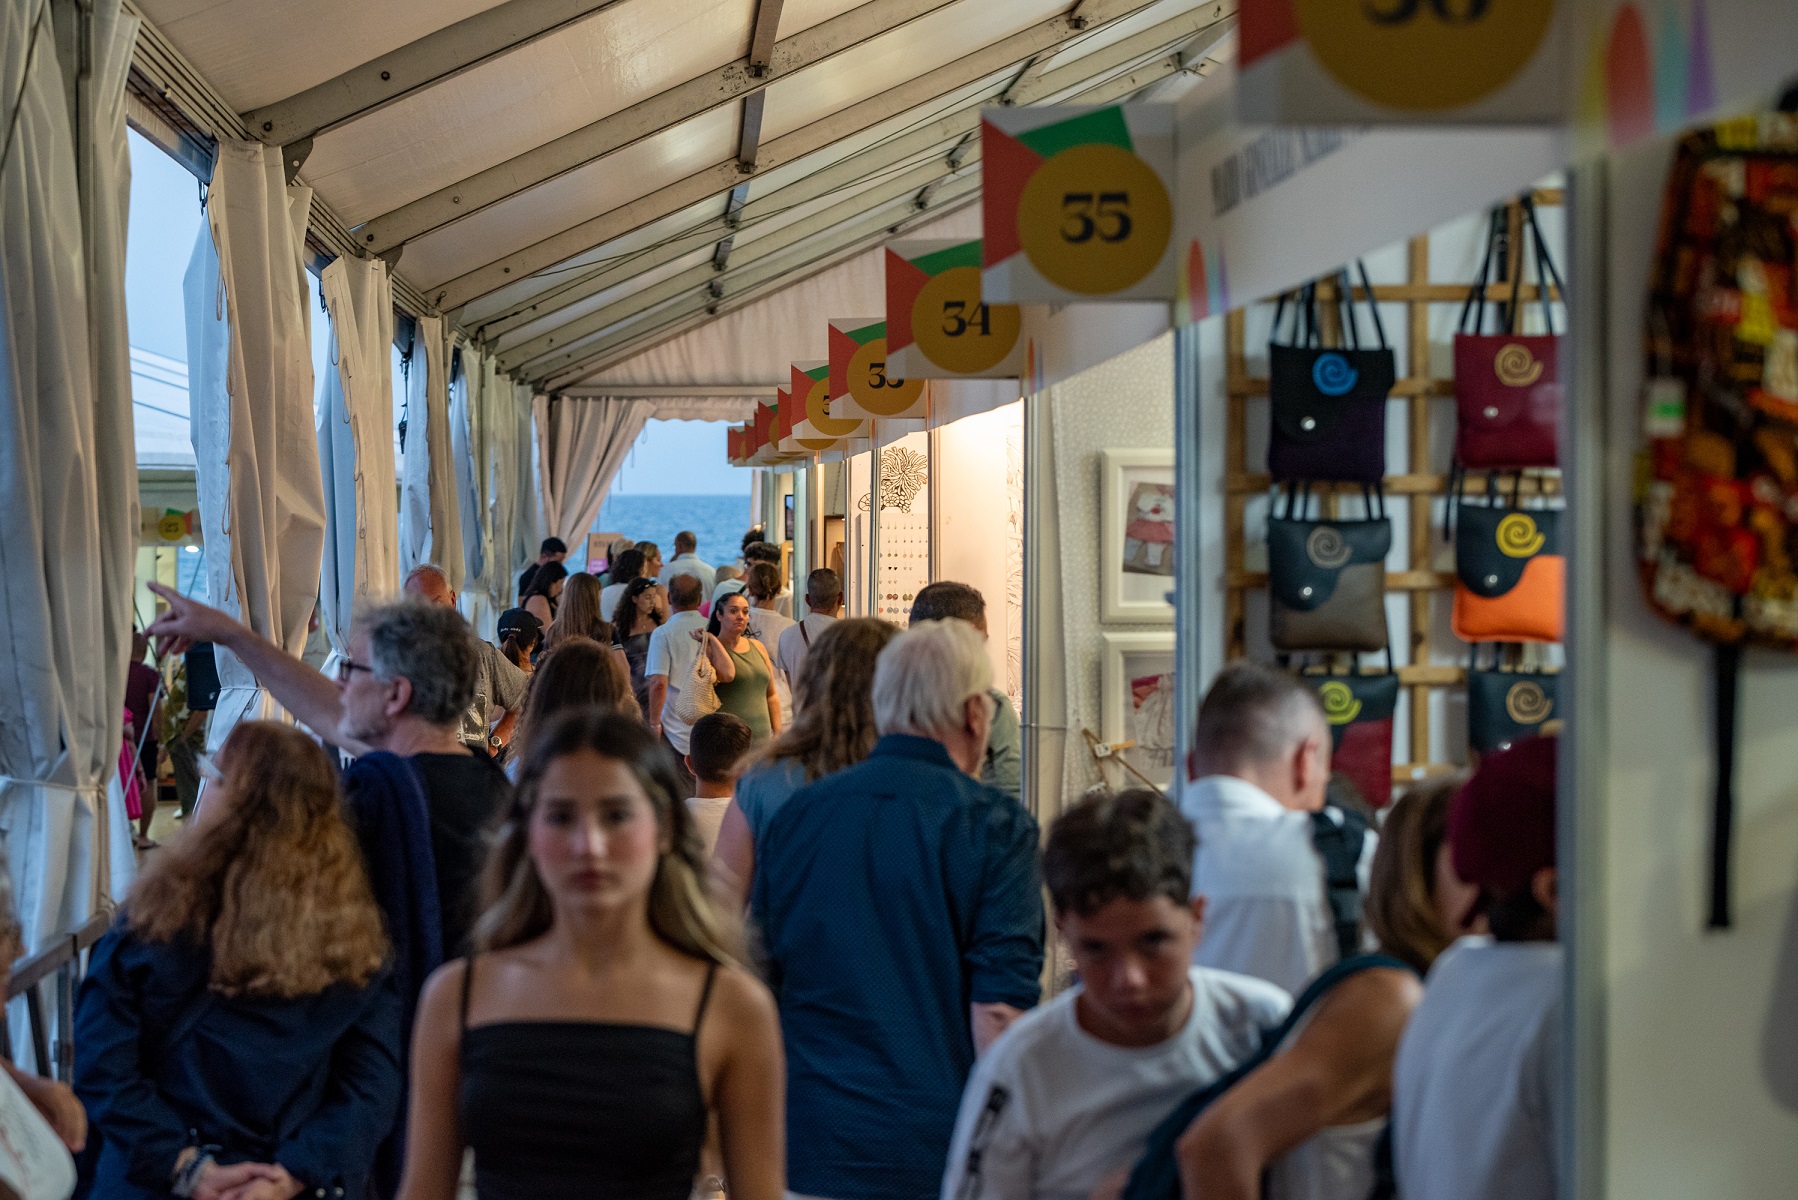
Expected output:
(430, 520)
(467, 435)
(262, 503)
(581, 444)
(65, 564)
(355, 446)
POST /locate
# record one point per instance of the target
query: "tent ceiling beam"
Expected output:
(747, 283)
(905, 184)
(644, 119)
(960, 128)
(763, 36)
(429, 60)
(183, 97)
(790, 147)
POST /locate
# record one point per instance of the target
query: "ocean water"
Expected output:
(718, 522)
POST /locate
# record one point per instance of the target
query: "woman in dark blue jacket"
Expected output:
(238, 1034)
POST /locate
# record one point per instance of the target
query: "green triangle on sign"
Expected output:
(967, 254)
(1105, 126)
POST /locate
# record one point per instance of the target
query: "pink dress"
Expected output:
(134, 798)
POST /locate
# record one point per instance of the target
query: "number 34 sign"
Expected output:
(939, 325)
(1077, 204)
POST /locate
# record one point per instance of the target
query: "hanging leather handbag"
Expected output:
(1508, 384)
(1327, 582)
(1507, 706)
(1510, 576)
(1360, 710)
(1329, 403)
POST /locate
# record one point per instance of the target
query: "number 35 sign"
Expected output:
(1077, 203)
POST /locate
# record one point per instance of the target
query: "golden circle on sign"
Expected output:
(1340, 705)
(1515, 366)
(1518, 536)
(1527, 703)
(172, 527)
(1424, 55)
(1095, 219)
(817, 411)
(871, 387)
(955, 331)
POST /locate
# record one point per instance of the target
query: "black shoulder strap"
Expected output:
(1156, 1175)
(1339, 836)
(467, 985)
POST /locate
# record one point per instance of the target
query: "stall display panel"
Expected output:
(1418, 486)
(904, 528)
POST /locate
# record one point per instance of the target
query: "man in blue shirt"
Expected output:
(900, 906)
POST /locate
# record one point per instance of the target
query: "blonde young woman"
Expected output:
(606, 1020)
(237, 1033)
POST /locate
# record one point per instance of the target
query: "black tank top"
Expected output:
(587, 1109)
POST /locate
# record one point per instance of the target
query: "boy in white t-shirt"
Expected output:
(716, 751)
(1064, 1102)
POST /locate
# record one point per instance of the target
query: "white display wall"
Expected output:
(978, 511)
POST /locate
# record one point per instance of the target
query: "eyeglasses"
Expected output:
(347, 667)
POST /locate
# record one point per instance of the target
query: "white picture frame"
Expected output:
(1147, 720)
(1136, 574)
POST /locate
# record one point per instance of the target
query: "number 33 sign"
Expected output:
(1076, 203)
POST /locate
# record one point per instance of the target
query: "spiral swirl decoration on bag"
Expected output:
(1518, 536)
(1327, 549)
(1515, 366)
(1333, 376)
(1340, 705)
(1527, 703)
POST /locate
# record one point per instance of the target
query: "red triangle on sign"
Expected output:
(1006, 166)
(842, 349)
(904, 282)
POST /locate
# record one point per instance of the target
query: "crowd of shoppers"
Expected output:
(348, 977)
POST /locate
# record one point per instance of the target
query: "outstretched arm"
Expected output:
(1338, 1072)
(300, 689)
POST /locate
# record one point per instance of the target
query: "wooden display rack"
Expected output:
(1418, 485)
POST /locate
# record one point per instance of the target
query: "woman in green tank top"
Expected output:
(745, 672)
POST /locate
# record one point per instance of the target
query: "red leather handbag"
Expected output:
(1508, 384)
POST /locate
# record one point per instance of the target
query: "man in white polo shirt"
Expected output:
(1259, 770)
(669, 665)
(1476, 1085)
(1063, 1103)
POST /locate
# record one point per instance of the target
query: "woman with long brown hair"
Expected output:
(641, 609)
(579, 673)
(606, 1020)
(583, 615)
(237, 1030)
(833, 729)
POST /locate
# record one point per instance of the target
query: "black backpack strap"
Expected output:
(1339, 836)
(1156, 1175)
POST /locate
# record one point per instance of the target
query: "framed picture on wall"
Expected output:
(1136, 702)
(1136, 536)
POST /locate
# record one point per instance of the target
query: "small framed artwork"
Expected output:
(1136, 540)
(1137, 700)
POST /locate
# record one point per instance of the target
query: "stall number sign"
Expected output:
(817, 429)
(1076, 204)
(861, 384)
(1428, 59)
(939, 323)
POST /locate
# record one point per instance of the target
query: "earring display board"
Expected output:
(1431, 668)
(904, 528)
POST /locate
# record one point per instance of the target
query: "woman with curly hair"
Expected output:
(238, 1030)
(833, 729)
(605, 1020)
(641, 609)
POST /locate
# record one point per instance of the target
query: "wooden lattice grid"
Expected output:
(1418, 486)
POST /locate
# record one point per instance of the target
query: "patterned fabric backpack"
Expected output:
(1717, 494)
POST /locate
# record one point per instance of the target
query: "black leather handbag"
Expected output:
(1327, 581)
(1507, 704)
(1329, 403)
